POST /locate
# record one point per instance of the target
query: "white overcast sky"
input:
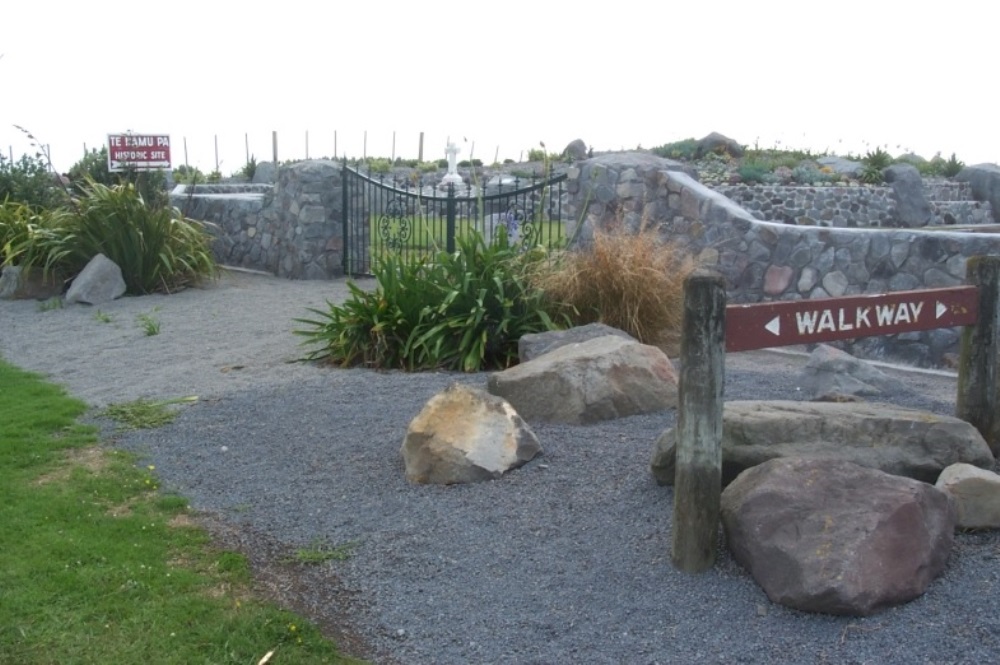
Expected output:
(839, 76)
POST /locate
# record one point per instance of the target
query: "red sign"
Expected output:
(140, 152)
(784, 323)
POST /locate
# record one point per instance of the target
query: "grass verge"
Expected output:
(98, 566)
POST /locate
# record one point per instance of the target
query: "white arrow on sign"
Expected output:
(940, 310)
(774, 326)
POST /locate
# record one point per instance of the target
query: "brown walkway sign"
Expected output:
(784, 323)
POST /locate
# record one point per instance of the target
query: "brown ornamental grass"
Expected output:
(631, 281)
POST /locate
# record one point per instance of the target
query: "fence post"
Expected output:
(698, 480)
(977, 368)
(451, 212)
(345, 218)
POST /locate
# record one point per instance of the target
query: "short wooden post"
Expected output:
(698, 480)
(977, 368)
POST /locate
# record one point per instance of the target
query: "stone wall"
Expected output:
(292, 229)
(853, 206)
(765, 261)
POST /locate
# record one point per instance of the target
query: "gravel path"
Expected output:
(562, 561)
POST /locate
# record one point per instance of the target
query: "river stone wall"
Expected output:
(765, 261)
(292, 229)
(853, 206)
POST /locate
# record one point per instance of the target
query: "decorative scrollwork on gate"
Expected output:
(520, 228)
(394, 227)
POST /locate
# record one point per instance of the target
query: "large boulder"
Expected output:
(976, 493)
(831, 373)
(718, 144)
(465, 435)
(912, 208)
(576, 150)
(837, 538)
(18, 283)
(842, 166)
(893, 439)
(601, 379)
(532, 345)
(984, 180)
(99, 282)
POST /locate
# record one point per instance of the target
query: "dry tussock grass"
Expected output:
(633, 282)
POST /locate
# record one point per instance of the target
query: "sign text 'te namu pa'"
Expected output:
(140, 152)
(784, 323)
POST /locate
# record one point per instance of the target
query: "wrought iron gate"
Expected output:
(412, 219)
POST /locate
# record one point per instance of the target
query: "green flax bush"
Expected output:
(460, 311)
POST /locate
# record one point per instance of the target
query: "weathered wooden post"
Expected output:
(698, 479)
(977, 369)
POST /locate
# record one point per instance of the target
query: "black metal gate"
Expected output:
(414, 219)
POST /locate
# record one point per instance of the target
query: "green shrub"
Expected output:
(537, 155)
(874, 163)
(379, 165)
(952, 167)
(190, 175)
(685, 149)
(428, 167)
(93, 167)
(752, 172)
(249, 169)
(156, 248)
(29, 181)
(463, 311)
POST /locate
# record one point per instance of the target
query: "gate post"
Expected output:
(977, 368)
(344, 220)
(451, 212)
(698, 479)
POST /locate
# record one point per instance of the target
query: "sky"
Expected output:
(497, 78)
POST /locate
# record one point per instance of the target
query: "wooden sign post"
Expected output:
(698, 480)
(710, 329)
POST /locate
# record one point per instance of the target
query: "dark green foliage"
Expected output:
(463, 311)
(874, 165)
(93, 168)
(952, 167)
(156, 248)
(189, 175)
(536, 155)
(249, 169)
(29, 181)
(755, 173)
(677, 150)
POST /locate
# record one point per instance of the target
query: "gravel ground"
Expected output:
(565, 560)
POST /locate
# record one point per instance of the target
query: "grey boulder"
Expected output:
(893, 439)
(831, 373)
(99, 282)
(837, 538)
(532, 345)
(600, 379)
(465, 435)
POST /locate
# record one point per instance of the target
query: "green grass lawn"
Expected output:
(422, 236)
(97, 565)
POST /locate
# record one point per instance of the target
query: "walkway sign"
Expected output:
(765, 325)
(139, 152)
